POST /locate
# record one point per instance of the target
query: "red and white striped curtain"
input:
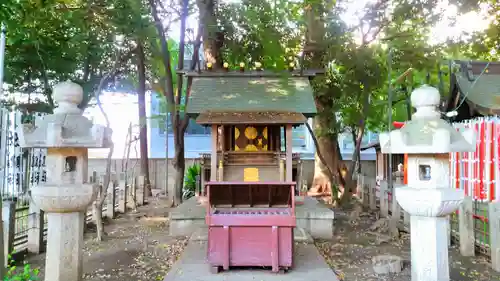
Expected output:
(477, 172)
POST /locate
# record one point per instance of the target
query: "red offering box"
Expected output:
(250, 224)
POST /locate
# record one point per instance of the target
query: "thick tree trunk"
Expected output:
(143, 130)
(212, 38)
(327, 145)
(314, 50)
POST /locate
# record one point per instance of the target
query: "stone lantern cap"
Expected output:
(427, 133)
(67, 127)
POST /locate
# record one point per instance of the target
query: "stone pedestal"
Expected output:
(494, 211)
(65, 207)
(429, 210)
(64, 247)
(429, 262)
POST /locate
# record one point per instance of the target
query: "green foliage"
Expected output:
(190, 179)
(158, 73)
(53, 41)
(261, 31)
(158, 69)
(25, 273)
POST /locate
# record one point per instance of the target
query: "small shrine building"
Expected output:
(249, 111)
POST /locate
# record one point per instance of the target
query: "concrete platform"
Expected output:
(312, 216)
(299, 235)
(309, 265)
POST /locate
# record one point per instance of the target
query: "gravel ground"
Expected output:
(137, 248)
(350, 252)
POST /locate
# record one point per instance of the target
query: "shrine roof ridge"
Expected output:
(252, 73)
(251, 94)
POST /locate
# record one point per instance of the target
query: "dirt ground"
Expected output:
(137, 248)
(354, 245)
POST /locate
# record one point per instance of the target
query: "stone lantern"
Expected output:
(427, 197)
(65, 196)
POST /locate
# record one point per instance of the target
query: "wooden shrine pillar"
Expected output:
(213, 158)
(222, 149)
(281, 168)
(288, 168)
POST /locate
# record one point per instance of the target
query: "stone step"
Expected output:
(192, 266)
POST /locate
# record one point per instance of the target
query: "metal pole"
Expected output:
(3, 257)
(4, 120)
(389, 117)
(166, 155)
(2, 55)
(2, 58)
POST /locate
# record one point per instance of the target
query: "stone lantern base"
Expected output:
(429, 209)
(66, 209)
(429, 249)
(64, 258)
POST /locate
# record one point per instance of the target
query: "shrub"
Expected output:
(192, 174)
(17, 274)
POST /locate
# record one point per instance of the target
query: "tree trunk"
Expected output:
(327, 146)
(350, 184)
(180, 125)
(325, 120)
(357, 163)
(356, 155)
(101, 196)
(143, 130)
(128, 144)
(97, 215)
(179, 164)
(212, 38)
(102, 191)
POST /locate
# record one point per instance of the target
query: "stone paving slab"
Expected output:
(299, 235)
(192, 266)
(188, 210)
(313, 209)
(310, 209)
(313, 216)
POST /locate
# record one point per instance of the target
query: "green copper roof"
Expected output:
(484, 94)
(256, 94)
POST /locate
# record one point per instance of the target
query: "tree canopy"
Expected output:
(54, 40)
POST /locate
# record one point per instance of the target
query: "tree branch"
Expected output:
(104, 80)
(46, 86)
(194, 62)
(169, 88)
